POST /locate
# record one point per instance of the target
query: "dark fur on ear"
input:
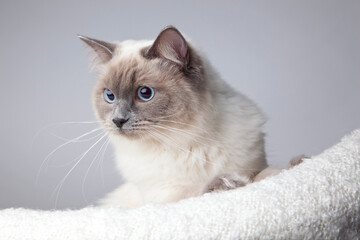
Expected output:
(104, 50)
(170, 45)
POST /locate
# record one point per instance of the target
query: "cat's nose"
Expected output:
(119, 122)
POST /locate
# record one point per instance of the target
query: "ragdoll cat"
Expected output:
(177, 128)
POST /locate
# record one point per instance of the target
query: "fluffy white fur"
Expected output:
(184, 167)
(319, 199)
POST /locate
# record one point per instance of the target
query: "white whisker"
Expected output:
(175, 144)
(62, 145)
(177, 130)
(102, 161)
(59, 124)
(184, 124)
(179, 148)
(75, 141)
(182, 149)
(88, 170)
(59, 186)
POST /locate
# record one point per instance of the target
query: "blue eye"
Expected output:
(145, 93)
(109, 96)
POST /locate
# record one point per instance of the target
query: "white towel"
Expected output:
(319, 199)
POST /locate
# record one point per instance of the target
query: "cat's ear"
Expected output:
(104, 50)
(171, 45)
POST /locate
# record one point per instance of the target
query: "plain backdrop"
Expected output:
(298, 60)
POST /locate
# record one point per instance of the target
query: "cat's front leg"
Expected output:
(127, 195)
(225, 182)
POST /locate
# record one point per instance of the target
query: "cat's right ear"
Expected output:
(103, 50)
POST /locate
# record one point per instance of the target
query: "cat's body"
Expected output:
(164, 172)
(196, 129)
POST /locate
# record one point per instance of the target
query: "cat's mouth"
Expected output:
(141, 129)
(131, 132)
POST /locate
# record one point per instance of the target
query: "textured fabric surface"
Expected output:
(319, 199)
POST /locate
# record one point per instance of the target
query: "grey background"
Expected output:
(299, 60)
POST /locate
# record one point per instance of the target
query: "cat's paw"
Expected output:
(225, 182)
(295, 161)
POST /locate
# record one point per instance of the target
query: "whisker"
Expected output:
(88, 170)
(69, 141)
(59, 147)
(179, 148)
(59, 124)
(182, 149)
(72, 140)
(102, 161)
(181, 123)
(177, 130)
(167, 116)
(59, 186)
(188, 151)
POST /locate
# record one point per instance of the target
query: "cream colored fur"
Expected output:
(155, 172)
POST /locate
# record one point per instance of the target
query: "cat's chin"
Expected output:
(127, 133)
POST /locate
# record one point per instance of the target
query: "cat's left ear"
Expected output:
(104, 50)
(170, 45)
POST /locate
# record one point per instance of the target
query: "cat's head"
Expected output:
(147, 87)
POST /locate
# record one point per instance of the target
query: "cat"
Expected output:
(177, 128)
